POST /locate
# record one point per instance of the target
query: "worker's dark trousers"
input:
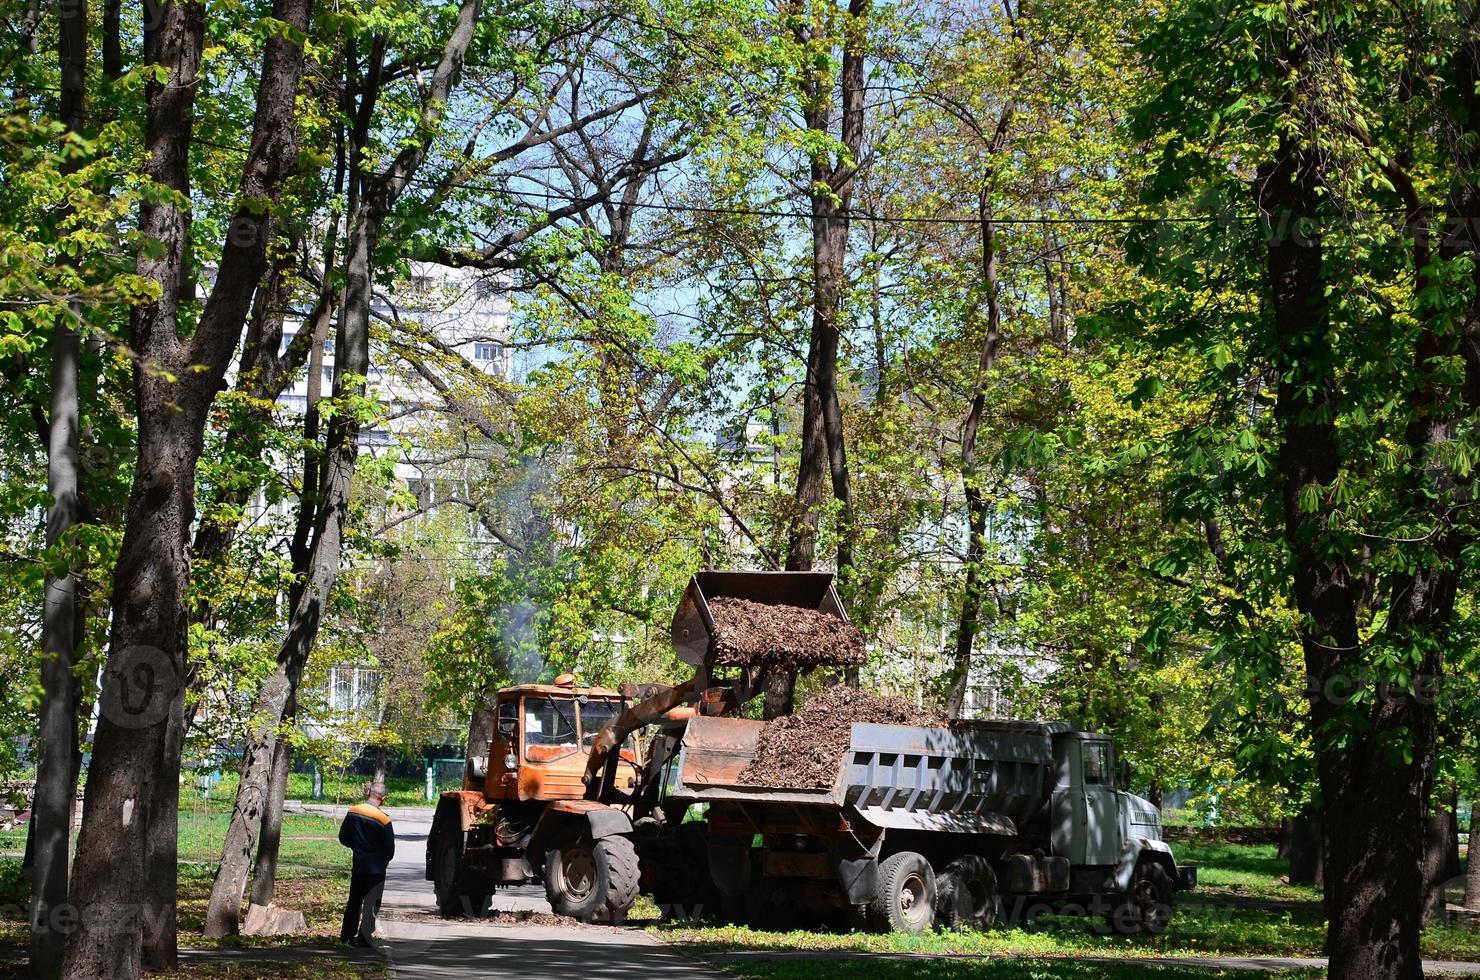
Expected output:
(363, 904)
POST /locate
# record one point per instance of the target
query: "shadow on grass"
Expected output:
(997, 969)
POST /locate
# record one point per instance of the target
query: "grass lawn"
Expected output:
(345, 790)
(309, 839)
(1216, 919)
(1243, 871)
(312, 968)
(997, 969)
(318, 894)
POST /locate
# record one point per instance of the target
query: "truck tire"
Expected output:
(587, 879)
(1147, 906)
(966, 894)
(455, 899)
(905, 899)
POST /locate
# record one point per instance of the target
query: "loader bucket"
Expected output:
(693, 624)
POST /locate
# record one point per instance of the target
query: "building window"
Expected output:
(487, 352)
(353, 689)
(328, 345)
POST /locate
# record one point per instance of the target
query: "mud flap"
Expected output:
(859, 878)
(608, 823)
(729, 864)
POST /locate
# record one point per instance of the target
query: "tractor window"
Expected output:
(595, 713)
(508, 721)
(1097, 771)
(549, 729)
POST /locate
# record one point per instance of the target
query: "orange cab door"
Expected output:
(503, 749)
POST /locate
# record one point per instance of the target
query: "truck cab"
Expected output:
(1107, 833)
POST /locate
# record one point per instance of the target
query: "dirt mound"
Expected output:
(803, 750)
(748, 633)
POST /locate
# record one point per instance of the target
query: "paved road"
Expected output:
(418, 945)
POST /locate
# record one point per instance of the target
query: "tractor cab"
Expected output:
(542, 736)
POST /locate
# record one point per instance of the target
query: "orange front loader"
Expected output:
(556, 789)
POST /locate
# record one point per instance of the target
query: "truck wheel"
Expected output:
(905, 900)
(966, 894)
(585, 879)
(1147, 906)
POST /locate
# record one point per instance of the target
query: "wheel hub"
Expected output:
(579, 873)
(912, 901)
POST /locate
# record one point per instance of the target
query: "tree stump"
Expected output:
(270, 920)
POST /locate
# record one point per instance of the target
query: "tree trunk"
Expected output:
(779, 690)
(801, 548)
(124, 876)
(161, 870)
(264, 871)
(1472, 865)
(381, 766)
(1373, 885)
(310, 597)
(56, 769)
(480, 736)
(142, 677)
(977, 506)
(824, 453)
(263, 376)
(49, 835)
(823, 449)
(1440, 853)
(1307, 865)
(971, 599)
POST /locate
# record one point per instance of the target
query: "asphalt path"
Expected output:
(417, 944)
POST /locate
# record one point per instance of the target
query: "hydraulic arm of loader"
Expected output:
(601, 766)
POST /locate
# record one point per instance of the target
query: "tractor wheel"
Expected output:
(454, 899)
(966, 894)
(1147, 906)
(905, 900)
(588, 879)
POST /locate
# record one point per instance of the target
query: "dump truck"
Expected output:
(923, 826)
(953, 826)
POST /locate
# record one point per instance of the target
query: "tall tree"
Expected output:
(826, 46)
(1349, 414)
(132, 787)
(832, 112)
(59, 751)
(378, 195)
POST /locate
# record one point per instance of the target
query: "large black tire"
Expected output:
(905, 898)
(966, 894)
(455, 898)
(588, 879)
(1146, 907)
